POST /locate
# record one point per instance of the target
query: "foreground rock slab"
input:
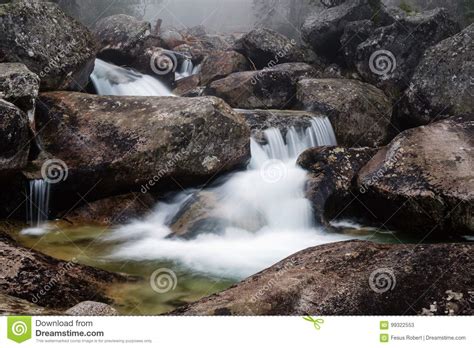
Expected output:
(48, 282)
(19, 85)
(353, 278)
(60, 50)
(423, 181)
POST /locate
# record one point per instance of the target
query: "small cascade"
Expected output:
(37, 208)
(185, 69)
(109, 79)
(262, 213)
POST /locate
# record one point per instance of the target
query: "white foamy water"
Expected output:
(37, 207)
(264, 214)
(109, 79)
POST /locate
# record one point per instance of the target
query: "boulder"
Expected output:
(355, 33)
(122, 38)
(353, 278)
(117, 210)
(47, 282)
(422, 182)
(14, 139)
(264, 89)
(19, 86)
(119, 144)
(10, 305)
(323, 30)
(91, 308)
(332, 171)
(187, 85)
(360, 113)
(388, 58)
(60, 50)
(266, 48)
(171, 38)
(220, 64)
(443, 82)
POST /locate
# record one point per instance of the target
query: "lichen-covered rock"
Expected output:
(423, 181)
(19, 86)
(360, 113)
(263, 89)
(266, 48)
(332, 171)
(388, 58)
(60, 50)
(355, 33)
(443, 83)
(48, 282)
(91, 308)
(323, 30)
(14, 139)
(220, 64)
(120, 143)
(353, 278)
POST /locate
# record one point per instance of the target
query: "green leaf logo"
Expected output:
(19, 329)
(316, 322)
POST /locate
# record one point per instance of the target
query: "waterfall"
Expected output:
(37, 207)
(262, 214)
(186, 69)
(109, 79)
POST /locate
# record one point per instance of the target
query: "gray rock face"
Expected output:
(360, 113)
(91, 308)
(220, 64)
(323, 30)
(265, 48)
(121, 37)
(121, 143)
(48, 282)
(272, 88)
(14, 139)
(19, 85)
(422, 181)
(353, 278)
(332, 171)
(443, 83)
(60, 50)
(389, 57)
(355, 33)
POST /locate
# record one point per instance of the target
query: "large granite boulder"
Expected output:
(353, 278)
(422, 182)
(60, 50)
(118, 144)
(19, 86)
(443, 83)
(360, 113)
(264, 89)
(388, 58)
(220, 64)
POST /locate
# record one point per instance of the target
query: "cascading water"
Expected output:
(186, 69)
(37, 207)
(263, 214)
(109, 79)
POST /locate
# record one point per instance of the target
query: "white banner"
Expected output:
(235, 331)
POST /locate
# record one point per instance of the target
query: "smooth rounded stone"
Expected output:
(323, 30)
(220, 64)
(10, 305)
(360, 113)
(121, 37)
(331, 174)
(265, 47)
(187, 85)
(272, 88)
(116, 210)
(91, 308)
(47, 282)
(14, 139)
(443, 83)
(388, 58)
(19, 86)
(353, 278)
(171, 38)
(117, 144)
(422, 182)
(57, 48)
